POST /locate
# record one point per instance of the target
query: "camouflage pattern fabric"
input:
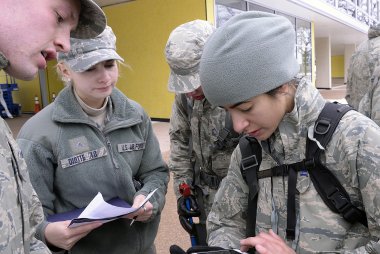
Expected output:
(92, 21)
(3, 61)
(206, 121)
(183, 53)
(370, 104)
(362, 65)
(20, 209)
(85, 53)
(353, 155)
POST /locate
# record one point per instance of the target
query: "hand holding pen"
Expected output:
(142, 214)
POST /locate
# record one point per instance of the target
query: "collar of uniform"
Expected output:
(3, 61)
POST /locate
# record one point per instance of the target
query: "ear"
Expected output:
(64, 71)
(284, 88)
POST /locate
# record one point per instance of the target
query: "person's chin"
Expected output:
(23, 74)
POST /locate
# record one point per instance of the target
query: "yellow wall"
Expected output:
(337, 66)
(142, 29)
(25, 93)
(2, 77)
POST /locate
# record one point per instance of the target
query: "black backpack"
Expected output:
(325, 182)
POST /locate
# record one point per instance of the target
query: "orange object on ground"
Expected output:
(37, 106)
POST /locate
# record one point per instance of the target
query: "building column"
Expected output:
(323, 62)
(349, 49)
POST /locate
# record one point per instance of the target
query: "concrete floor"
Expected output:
(170, 231)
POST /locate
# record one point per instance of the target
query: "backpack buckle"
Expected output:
(249, 162)
(322, 127)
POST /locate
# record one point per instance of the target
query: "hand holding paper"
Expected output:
(99, 210)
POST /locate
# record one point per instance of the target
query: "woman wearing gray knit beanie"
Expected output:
(248, 66)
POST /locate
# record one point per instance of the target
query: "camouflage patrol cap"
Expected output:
(85, 53)
(183, 53)
(92, 20)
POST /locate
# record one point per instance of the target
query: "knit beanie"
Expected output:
(251, 54)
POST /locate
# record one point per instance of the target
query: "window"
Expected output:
(226, 9)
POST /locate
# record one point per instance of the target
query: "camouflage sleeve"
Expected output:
(370, 104)
(36, 217)
(180, 132)
(226, 222)
(368, 163)
(358, 76)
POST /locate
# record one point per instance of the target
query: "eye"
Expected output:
(110, 64)
(90, 69)
(247, 109)
(60, 19)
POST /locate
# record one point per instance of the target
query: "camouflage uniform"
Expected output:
(370, 103)
(362, 65)
(20, 209)
(353, 155)
(201, 123)
(203, 128)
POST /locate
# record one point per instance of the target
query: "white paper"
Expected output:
(98, 209)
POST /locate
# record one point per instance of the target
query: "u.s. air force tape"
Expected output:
(83, 157)
(128, 147)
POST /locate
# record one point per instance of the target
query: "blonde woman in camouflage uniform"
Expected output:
(31, 33)
(95, 139)
(195, 124)
(248, 67)
(362, 65)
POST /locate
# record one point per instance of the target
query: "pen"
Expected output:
(133, 220)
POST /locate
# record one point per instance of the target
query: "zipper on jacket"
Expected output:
(111, 152)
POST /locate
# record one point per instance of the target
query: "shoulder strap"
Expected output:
(325, 182)
(227, 137)
(251, 155)
(328, 186)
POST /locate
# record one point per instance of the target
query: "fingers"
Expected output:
(266, 243)
(60, 235)
(144, 212)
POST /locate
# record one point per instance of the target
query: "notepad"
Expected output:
(98, 210)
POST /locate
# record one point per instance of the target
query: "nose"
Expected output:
(239, 122)
(104, 75)
(62, 41)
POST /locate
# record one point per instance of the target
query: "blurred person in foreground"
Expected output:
(31, 33)
(95, 139)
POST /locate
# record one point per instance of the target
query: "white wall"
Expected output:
(323, 62)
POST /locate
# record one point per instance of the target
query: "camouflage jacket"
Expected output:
(362, 65)
(353, 155)
(206, 122)
(370, 103)
(20, 209)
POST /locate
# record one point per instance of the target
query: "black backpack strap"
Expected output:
(250, 163)
(291, 219)
(328, 186)
(227, 137)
